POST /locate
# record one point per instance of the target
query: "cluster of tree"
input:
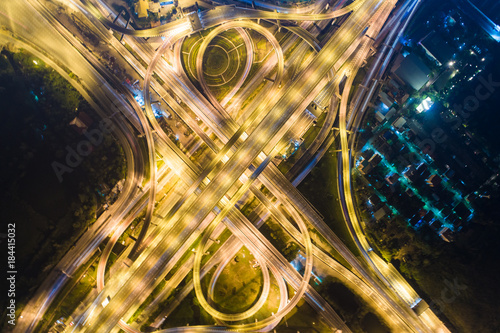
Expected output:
(189, 312)
(350, 306)
(37, 106)
(401, 245)
(281, 240)
(459, 279)
(169, 14)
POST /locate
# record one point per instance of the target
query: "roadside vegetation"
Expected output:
(457, 279)
(358, 316)
(239, 284)
(280, 239)
(37, 106)
(320, 187)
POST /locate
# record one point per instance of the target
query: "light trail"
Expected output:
(245, 153)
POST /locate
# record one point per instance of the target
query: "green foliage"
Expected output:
(350, 306)
(158, 78)
(188, 312)
(37, 105)
(280, 239)
(238, 285)
(432, 266)
(148, 301)
(136, 56)
(320, 188)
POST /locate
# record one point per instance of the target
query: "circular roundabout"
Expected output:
(223, 60)
(216, 61)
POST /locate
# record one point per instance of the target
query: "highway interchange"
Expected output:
(205, 198)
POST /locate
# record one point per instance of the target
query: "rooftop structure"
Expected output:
(381, 213)
(388, 101)
(399, 122)
(425, 105)
(412, 71)
(81, 122)
(141, 8)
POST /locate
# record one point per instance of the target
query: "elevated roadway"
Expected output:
(224, 176)
(241, 159)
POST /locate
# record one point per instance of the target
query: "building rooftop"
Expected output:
(382, 212)
(81, 122)
(412, 71)
(399, 122)
(141, 8)
(386, 99)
